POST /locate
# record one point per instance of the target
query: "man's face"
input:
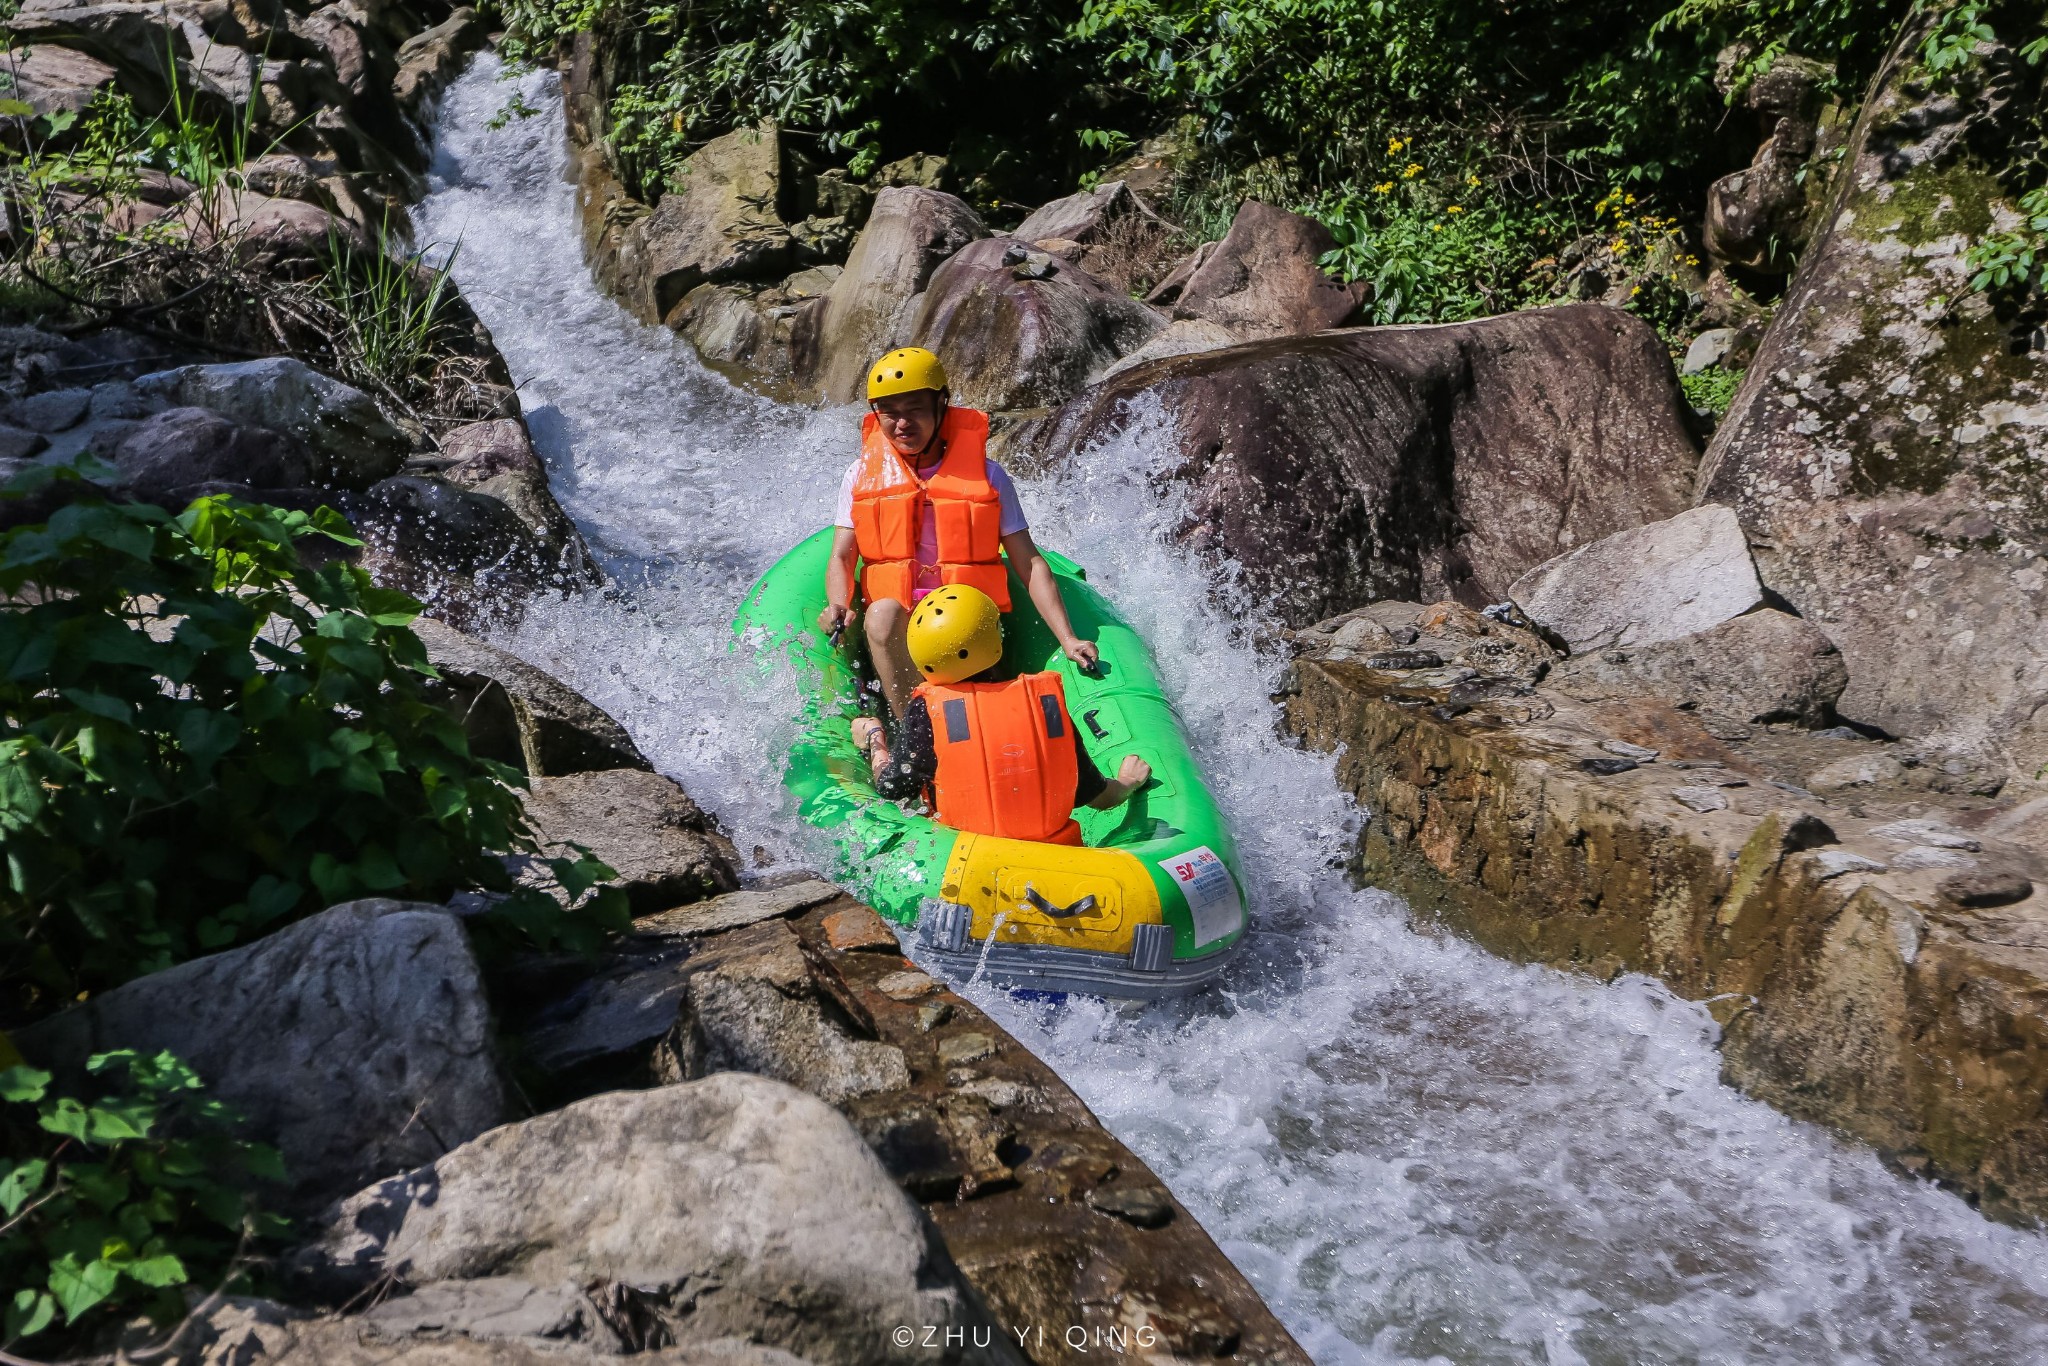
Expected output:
(909, 420)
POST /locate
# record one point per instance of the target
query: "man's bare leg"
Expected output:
(888, 626)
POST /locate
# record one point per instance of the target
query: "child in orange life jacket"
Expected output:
(923, 507)
(997, 758)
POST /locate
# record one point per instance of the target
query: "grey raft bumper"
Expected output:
(1149, 972)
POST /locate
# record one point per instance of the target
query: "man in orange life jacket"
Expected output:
(922, 507)
(995, 758)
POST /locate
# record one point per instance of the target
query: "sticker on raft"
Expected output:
(1211, 892)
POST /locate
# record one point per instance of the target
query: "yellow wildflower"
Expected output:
(1411, 170)
(1630, 200)
(1454, 209)
(1393, 146)
(1384, 187)
(1472, 180)
(1616, 246)
(1436, 227)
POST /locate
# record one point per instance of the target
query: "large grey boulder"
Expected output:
(520, 715)
(339, 423)
(1649, 583)
(1020, 329)
(1762, 666)
(1264, 279)
(755, 1009)
(870, 307)
(170, 457)
(663, 847)
(732, 1207)
(358, 1040)
(1404, 462)
(722, 224)
(630, 1001)
(1888, 452)
(51, 80)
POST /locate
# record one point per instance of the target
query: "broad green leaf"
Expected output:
(161, 1270)
(22, 1181)
(77, 1286)
(22, 1083)
(29, 1313)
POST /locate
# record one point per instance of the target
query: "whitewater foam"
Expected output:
(1416, 1151)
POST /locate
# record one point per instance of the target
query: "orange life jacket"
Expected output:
(889, 505)
(1007, 763)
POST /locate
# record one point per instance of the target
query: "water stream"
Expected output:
(1416, 1151)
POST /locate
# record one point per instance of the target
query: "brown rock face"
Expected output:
(1013, 341)
(1889, 452)
(1263, 280)
(722, 225)
(867, 311)
(1415, 462)
(1756, 217)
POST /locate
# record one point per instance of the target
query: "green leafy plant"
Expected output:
(1712, 389)
(202, 735)
(1435, 249)
(116, 1200)
(2016, 259)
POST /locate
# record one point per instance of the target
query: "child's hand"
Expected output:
(834, 618)
(1084, 653)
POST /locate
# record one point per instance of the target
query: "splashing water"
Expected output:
(1417, 1152)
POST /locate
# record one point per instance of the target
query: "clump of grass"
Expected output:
(392, 306)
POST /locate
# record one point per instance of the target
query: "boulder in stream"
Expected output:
(1265, 278)
(1018, 329)
(1410, 462)
(356, 443)
(1658, 581)
(722, 224)
(869, 308)
(358, 1041)
(732, 1207)
(520, 715)
(665, 850)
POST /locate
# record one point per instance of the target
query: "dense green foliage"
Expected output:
(118, 1199)
(1553, 98)
(202, 735)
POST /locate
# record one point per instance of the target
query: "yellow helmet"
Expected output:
(905, 371)
(955, 633)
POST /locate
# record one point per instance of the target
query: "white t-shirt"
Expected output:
(928, 534)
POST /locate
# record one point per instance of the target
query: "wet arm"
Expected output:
(839, 580)
(1036, 571)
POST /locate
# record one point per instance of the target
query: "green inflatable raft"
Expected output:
(1150, 907)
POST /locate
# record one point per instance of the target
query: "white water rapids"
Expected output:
(1416, 1151)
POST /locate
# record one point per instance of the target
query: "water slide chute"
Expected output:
(1151, 905)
